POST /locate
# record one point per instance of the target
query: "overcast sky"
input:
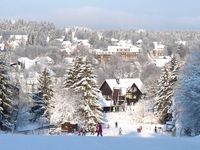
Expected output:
(149, 14)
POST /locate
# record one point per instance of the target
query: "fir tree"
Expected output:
(187, 95)
(6, 106)
(72, 75)
(164, 100)
(173, 70)
(42, 103)
(87, 85)
(84, 82)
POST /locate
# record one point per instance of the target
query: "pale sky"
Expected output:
(148, 14)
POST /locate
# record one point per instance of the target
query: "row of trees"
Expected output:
(79, 86)
(186, 104)
(6, 104)
(80, 81)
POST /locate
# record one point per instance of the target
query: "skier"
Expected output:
(120, 131)
(83, 132)
(99, 129)
(116, 124)
(155, 129)
(79, 131)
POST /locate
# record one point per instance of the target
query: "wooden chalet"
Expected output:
(122, 91)
(69, 127)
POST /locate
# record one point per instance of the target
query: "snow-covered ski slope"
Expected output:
(130, 142)
(126, 122)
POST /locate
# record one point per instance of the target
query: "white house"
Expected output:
(158, 49)
(21, 39)
(25, 62)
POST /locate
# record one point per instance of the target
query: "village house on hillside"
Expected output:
(123, 48)
(158, 49)
(122, 91)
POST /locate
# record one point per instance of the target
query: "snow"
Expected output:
(132, 141)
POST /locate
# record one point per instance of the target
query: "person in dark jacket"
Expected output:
(116, 124)
(155, 129)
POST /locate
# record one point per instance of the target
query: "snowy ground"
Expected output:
(129, 140)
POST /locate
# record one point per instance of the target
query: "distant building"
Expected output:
(158, 49)
(125, 52)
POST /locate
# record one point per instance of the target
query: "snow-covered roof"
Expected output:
(44, 60)
(125, 83)
(114, 40)
(66, 43)
(124, 43)
(20, 37)
(139, 41)
(161, 61)
(27, 62)
(158, 46)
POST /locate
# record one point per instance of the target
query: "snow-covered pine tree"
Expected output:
(86, 84)
(173, 77)
(66, 107)
(162, 100)
(72, 75)
(6, 106)
(187, 97)
(42, 104)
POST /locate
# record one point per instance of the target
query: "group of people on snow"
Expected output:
(98, 130)
(82, 131)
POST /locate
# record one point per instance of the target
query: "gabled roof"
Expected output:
(123, 84)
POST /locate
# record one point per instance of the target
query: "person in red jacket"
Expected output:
(99, 129)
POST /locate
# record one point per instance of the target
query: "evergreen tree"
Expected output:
(87, 85)
(42, 103)
(173, 70)
(6, 106)
(187, 95)
(72, 75)
(164, 99)
(162, 102)
(82, 80)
